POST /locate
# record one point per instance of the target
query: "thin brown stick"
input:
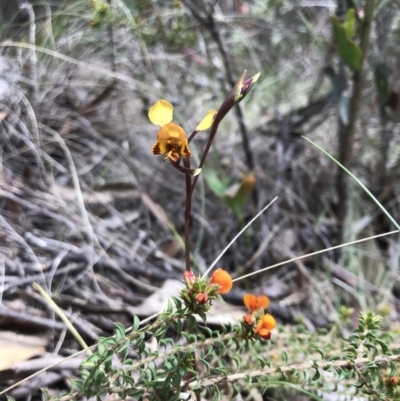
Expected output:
(188, 210)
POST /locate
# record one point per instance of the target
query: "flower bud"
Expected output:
(249, 319)
(202, 298)
(246, 85)
(189, 277)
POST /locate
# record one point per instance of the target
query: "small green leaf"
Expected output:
(149, 376)
(101, 348)
(176, 380)
(237, 360)
(136, 323)
(119, 331)
(192, 322)
(348, 51)
(109, 341)
(206, 364)
(160, 331)
(366, 391)
(262, 361)
(350, 24)
(321, 352)
(217, 394)
(221, 370)
(202, 316)
(123, 346)
(84, 374)
(216, 184)
(207, 330)
(168, 309)
(135, 392)
(235, 392)
(238, 194)
(316, 376)
(306, 375)
(393, 369)
(178, 302)
(75, 384)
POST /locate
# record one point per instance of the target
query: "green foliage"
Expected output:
(348, 51)
(103, 14)
(364, 361)
(349, 24)
(235, 196)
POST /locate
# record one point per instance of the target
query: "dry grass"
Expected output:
(87, 210)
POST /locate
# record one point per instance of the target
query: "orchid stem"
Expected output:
(188, 209)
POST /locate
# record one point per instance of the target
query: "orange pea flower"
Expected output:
(254, 303)
(223, 279)
(264, 326)
(257, 320)
(171, 139)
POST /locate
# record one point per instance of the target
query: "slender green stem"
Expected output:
(358, 182)
(62, 316)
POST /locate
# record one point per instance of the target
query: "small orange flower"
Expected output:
(253, 303)
(171, 139)
(223, 279)
(264, 326)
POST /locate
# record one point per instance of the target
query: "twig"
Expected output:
(368, 386)
(212, 381)
(31, 319)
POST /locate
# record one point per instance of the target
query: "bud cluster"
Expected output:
(200, 291)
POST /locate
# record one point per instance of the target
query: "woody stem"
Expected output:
(188, 209)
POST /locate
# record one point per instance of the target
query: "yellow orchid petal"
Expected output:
(207, 121)
(171, 130)
(161, 113)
